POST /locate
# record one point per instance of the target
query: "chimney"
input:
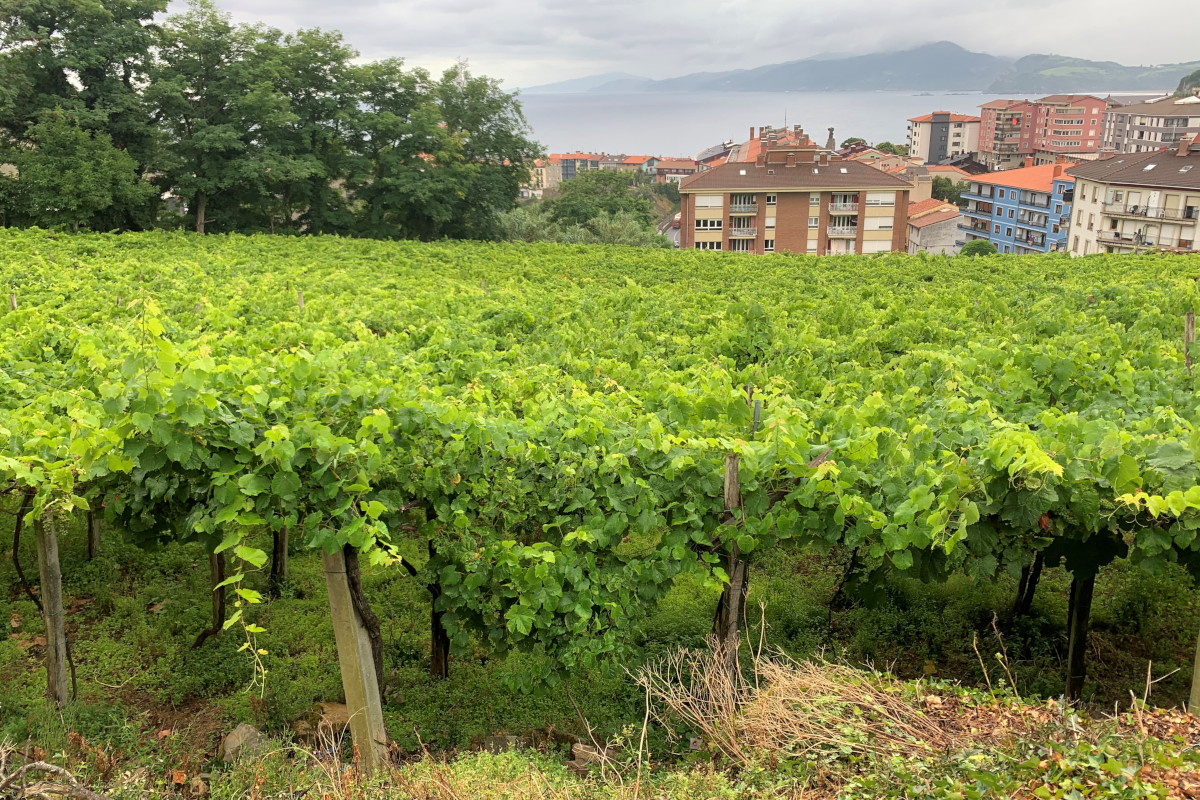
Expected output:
(791, 159)
(1185, 144)
(1058, 168)
(751, 133)
(823, 160)
(761, 160)
(1106, 153)
(1029, 161)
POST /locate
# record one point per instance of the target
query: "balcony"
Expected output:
(978, 227)
(1151, 212)
(845, 208)
(985, 191)
(1116, 237)
(743, 208)
(743, 233)
(843, 231)
(1033, 220)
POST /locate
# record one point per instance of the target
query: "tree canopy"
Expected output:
(978, 247)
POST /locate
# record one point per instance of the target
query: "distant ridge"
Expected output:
(943, 66)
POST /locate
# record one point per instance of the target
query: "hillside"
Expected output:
(942, 66)
(1048, 74)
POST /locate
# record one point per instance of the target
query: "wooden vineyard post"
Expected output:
(300, 300)
(358, 668)
(729, 607)
(52, 611)
(1082, 588)
(12, 300)
(279, 560)
(1189, 338)
(1194, 699)
(93, 535)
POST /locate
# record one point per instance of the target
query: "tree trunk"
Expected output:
(279, 561)
(201, 207)
(52, 614)
(369, 621)
(439, 639)
(1030, 576)
(1082, 589)
(18, 526)
(356, 659)
(93, 535)
(216, 571)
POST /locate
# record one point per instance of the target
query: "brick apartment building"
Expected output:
(794, 199)
(1058, 125)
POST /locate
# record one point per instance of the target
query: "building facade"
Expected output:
(545, 175)
(941, 135)
(1005, 133)
(673, 170)
(1021, 211)
(1137, 201)
(797, 200)
(572, 164)
(933, 227)
(1146, 127)
(1067, 126)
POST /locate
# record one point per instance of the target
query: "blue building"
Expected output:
(1025, 210)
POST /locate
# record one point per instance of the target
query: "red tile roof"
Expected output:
(1004, 104)
(953, 117)
(933, 219)
(1068, 98)
(749, 150)
(676, 163)
(576, 156)
(638, 159)
(1034, 179)
(923, 206)
(948, 168)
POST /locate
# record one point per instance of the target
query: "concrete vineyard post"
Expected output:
(358, 668)
(93, 535)
(279, 560)
(52, 611)
(1189, 338)
(729, 608)
(12, 300)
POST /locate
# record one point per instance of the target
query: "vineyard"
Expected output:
(549, 443)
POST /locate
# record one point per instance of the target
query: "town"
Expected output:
(1072, 173)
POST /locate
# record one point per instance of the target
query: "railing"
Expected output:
(1031, 221)
(743, 233)
(977, 212)
(1116, 237)
(844, 207)
(1152, 212)
(743, 208)
(978, 227)
(984, 191)
(843, 231)
(1035, 203)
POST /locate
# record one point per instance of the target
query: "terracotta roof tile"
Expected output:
(925, 206)
(736, 176)
(933, 219)
(1034, 179)
(953, 117)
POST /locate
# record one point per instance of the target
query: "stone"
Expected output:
(586, 754)
(198, 787)
(244, 740)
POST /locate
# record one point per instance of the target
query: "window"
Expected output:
(1058, 208)
(995, 229)
(881, 198)
(1011, 213)
(708, 224)
(814, 222)
(710, 201)
(877, 224)
(742, 199)
(769, 223)
(1091, 221)
(708, 245)
(1008, 231)
(771, 199)
(1076, 245)
(1000, 194)
(739, 246)
(1078, 217)
(814, 199)
(768, 245)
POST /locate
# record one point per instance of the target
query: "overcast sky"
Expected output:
(527, 42)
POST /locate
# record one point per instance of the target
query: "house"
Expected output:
(546, 174)
(800, 199)
(644, 163)
(1146, 127)
(1023, 210)
(933, 227)
(768, 137)
(941, 135)
(613, 162)
(574, 163)
(674, 169)
(1135, 201)
(884, 162)
(716, 155)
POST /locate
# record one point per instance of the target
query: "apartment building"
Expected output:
(1050, 128)
(673, 170)
(1005, 133)
(797, 200)
(574, 163)
(1137, 201)
(1067, 126)
(1024, 210)
(1146, 127)
(941, 135)
(544, 175)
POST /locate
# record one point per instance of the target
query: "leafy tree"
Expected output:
(214, 92)
(893, 149)
(949, 190)
(1188, 84)
(597, 192)
(978, 247)
(68, 177)
(853, 140)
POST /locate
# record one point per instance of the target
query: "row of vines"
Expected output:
(568, 431)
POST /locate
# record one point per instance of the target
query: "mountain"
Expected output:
(1188, 84)
(1046, 74)
(588, 84)
(941, 66)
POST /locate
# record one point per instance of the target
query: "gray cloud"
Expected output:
(525, 42)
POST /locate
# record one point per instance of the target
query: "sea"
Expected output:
(682, 124)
